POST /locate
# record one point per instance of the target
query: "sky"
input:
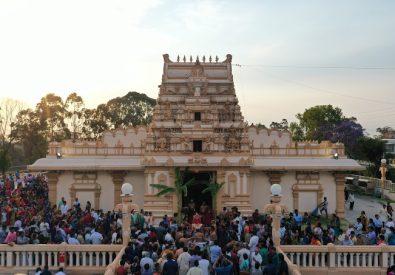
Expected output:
(292, 54)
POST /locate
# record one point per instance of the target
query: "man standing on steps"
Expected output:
(324, 207)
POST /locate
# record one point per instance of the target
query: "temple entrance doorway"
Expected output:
(195, 198)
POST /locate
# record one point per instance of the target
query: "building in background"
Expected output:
(197, 124)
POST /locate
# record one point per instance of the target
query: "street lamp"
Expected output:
(383, 171)
(276, 209)
(127, 208)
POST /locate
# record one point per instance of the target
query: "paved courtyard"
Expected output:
(370, 205)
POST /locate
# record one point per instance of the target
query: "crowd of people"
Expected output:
(228, 243)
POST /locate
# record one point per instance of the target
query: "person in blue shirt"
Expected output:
(171, 266)
(223, 266)
(298, 219)
(215, 252)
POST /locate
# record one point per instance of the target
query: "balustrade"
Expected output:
(375, 258)
(19, 258)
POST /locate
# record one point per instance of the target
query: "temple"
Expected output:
(197, 124)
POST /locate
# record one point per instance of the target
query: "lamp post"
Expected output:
(127, 207)
(276, 209)
(383, 171)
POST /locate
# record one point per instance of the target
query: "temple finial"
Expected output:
(210, 59)
(184, 59)
(190, 58)
(216, 58)
(204, 58)
(178, 58)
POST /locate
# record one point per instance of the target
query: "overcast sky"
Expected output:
(293, 54)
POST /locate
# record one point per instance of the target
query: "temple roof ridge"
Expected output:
(197, 60)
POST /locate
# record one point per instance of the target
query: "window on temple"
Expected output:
(197, 145)
(198, 116)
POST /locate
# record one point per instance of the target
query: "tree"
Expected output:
(74, 106)
(180, 188)
(95, 122)
(283, 125)
(51, 112)
(213, 188)
(296, 131)
(30, 132)
(315, 120)
(130, 110)
(9, 109)
(347, 132)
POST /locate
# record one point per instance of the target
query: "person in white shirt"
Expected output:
(96, 237)
(44, 227)
(168, 237)
(204, 264)
(72, 239)
(195, 270)
(60, 271)
(183, 262)
(146, 260)
(64, 208)
(256, 258)
(241, 252)
(253, 242)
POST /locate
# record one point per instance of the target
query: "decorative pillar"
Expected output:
(340, 184)
(220, 179)
(295, 195)
(274, 176)
(127, 207)
(276, 209)
(97, 197)
(53, 177)
(118, 178)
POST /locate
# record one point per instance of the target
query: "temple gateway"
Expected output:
(197, 124)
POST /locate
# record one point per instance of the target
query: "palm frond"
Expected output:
(159, 186)
(165, 191)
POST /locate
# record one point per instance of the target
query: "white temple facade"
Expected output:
(197, 124)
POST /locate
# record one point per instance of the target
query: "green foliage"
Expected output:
(180, 188)
(213, 188)
(5, 161)
(131, 109)
(283, 125)
(315, 119)
(296, 131)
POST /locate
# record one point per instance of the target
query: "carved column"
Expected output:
(118, 178)
(295, 195)
(274, 176)
(97, 197)
(53, 177)
(220, 178)
(340, 183)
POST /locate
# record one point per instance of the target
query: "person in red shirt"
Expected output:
(121, 270)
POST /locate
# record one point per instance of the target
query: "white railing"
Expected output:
(340, 257)
(19, 258)
(293, 269)
(111, 268)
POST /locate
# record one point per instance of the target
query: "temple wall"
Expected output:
(260, 191)
(63, 187)
(104, 179)
(128, 137)
(328, 183)
(266, 138)
(307, 200)
(137, 179)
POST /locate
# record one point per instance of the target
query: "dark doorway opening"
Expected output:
(197, 145)
(195, 190)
